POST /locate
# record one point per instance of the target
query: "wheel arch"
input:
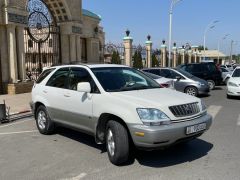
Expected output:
(102, 123)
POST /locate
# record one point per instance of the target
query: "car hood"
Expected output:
(194, 78)
(154, 98)
(235, 80)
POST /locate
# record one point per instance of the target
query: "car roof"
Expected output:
(89, 65)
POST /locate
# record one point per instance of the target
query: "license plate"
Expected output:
(196, 128)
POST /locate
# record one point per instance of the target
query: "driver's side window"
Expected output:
(78, 75)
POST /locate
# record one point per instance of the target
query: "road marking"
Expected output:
(80, 176)
(214, 110)
(15, 123)
(238, 121)
(19, 132)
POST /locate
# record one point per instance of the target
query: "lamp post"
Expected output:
(173, 3)
(219, 41)
(209, 27)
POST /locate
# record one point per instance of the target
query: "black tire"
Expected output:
(229, 97)
(211, 84)
(120, 153)
(45, 126)
(193, 91)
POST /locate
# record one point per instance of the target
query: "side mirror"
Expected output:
(84, 87)
(178, 78)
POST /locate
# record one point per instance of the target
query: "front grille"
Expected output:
(185, 110)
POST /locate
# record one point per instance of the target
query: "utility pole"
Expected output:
(231, 51)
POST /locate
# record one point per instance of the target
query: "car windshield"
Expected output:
(154, 76)
(188, 75)
(236, 73)
(116, 79)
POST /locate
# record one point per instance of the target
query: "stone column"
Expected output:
(4, 55)
(149, 53)
(174, 56)
(12, 54)
(73, 54)
(127, 41)
(21, 53)
(195, 57)
(79, 49)
(164, 54)
(189, 56)
(65, 48)
(183, 56)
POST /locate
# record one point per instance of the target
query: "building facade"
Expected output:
(74, 35)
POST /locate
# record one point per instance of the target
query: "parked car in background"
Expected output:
(183, 81)
(207, 71)
(226, 74)
(119, 106)
(233, 84)
(164, 82)
(228, 67)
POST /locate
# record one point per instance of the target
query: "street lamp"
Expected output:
(173, 3)
(219, 41)
(209, 27)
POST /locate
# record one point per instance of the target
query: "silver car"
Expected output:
(183, 81)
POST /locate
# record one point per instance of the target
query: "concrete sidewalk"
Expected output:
(17, 103)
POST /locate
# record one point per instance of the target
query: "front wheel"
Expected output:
(191, 91)
(117, 143)
(211, 84)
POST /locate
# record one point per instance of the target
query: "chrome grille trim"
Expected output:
(185, 110)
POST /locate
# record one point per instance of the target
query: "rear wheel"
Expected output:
(211, 84)
(191, 91)
(43, 121)
(117, 143)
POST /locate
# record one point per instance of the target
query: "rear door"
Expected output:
(55, 91)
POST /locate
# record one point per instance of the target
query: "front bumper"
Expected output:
(233, 91)
(203, 90)
(161, 136)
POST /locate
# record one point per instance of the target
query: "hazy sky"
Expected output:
(190, 18)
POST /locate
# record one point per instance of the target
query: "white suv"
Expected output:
(118, 105)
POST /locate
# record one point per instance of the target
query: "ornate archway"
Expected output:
(42, 36)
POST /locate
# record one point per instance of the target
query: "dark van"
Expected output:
(207, 71)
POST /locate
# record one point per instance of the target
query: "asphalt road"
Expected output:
(69, 155)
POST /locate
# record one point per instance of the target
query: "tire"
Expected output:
(211, 84)
(191, 91)
(117, 143)
(229, 97)
(43, 121)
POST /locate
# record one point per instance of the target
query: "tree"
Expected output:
(137, 60)
(116, 58)
(201, 48)
(155, 62)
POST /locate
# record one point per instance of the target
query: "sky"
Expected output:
(190, 18)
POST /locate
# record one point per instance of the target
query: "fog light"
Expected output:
(141, 134)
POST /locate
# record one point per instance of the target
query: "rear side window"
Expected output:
(44, 74)
(211, 67)
(59, 79)
(154, 71)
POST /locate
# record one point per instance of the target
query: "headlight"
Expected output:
(203, 106)
(201, 84)
(153, 117)
(232, 84)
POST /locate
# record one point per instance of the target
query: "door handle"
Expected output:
(44, 91)
(67, 95)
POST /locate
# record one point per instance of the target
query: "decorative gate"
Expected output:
(42, 40)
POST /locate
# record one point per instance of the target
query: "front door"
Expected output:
(78, 104)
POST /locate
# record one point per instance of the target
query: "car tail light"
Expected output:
(165, 85)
